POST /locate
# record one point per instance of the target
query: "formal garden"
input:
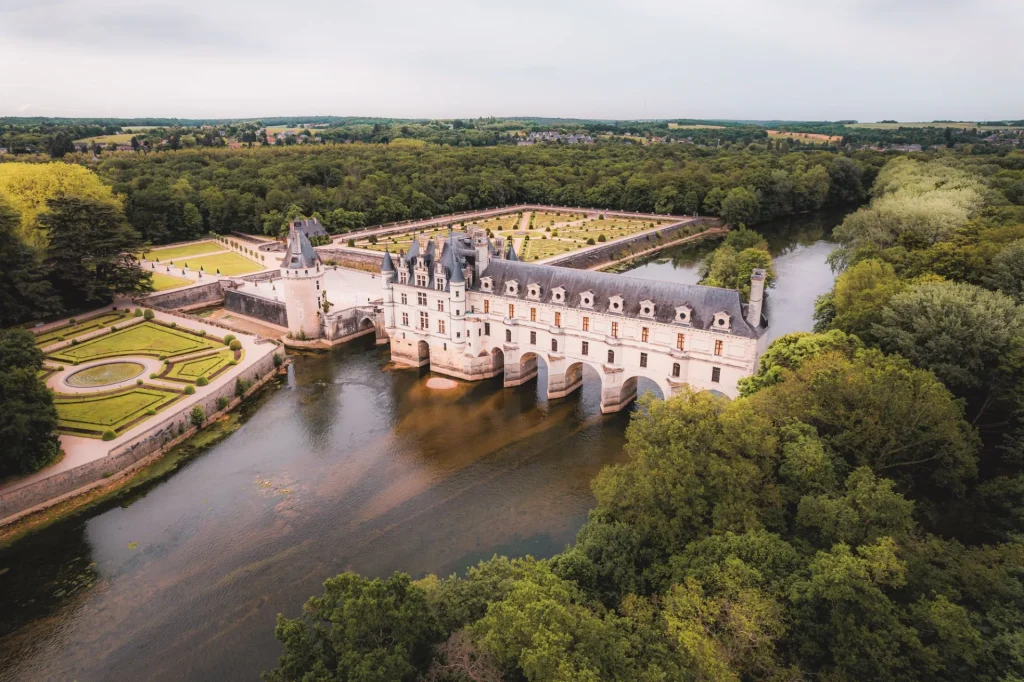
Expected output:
(200, 368)
(208, 256)
(75, 328)
(148, 338)
(108, 413)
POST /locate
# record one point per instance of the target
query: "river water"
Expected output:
(348, 465)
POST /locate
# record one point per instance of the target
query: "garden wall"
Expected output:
(249, 305)
(357, 259)
(610, 253)
(203, 294)
(167, 430)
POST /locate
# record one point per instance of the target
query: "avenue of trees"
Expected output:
(855, 515)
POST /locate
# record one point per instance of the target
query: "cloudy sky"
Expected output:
(758, 59)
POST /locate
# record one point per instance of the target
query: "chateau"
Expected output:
(472, 311)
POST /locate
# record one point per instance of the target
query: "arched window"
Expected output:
(611, 357)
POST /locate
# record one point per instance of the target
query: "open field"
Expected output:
(172, 252)
(162, 282)
(921, 124)
(91, 414)
(207, 366)
(133, 129)
(229, 263)
(147, 338)
(692, 126)
(70, 331)
(806, 138)
(122, 138)
(274, 130)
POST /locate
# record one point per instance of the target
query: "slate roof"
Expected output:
(666, 296)
(301, 253)
(311, 227)
(389, 264)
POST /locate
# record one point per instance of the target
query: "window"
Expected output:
(611, 357)
(586, 348)
(440, 326)
(421, 298)
(558, 319)
(439, 284)
(615, 330)
(586, 324)
(487, 328)
(554, 345)
(533, 314)
(675, 369)
(421, 280)
(511, 310)
(718, 347)
(508, 336)
(440, 306)
(643, 359)
(645, 334)
(424, 321)
(716, 374)
(533, 338)
(405, 300)
(680, 341)
(405, 319)
(487, 305)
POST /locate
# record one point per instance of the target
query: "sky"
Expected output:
(909, 60)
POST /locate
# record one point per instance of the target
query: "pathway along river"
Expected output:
(347, 466)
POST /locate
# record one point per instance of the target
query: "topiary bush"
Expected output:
(151, 411)
(148, 314)
(138, 382)
(189, 390)
(235, 344)
(109, 435)
(138, 313)
(601, 238)
(228, 338)
(202, 381)
(590, 242)
(152, 375)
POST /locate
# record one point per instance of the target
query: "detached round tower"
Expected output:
(302, 274)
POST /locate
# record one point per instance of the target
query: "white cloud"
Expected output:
(795, 59)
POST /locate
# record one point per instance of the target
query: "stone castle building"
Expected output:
(472, 312)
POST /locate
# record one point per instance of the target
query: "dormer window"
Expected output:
(558, 295)
(683, 314)
(647, 308)
(486, 284)
(533, 291)
(512, 288)
(615, 304)
(721, 320)
(587, 299)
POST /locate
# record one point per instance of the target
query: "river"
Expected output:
(348, 465)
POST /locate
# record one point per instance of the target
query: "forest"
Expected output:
(855, 515)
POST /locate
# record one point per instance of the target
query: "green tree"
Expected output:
(27, 415)
(740, 205)
(25, 293)
(859, 294)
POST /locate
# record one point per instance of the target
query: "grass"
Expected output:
(162, 282)
(70, 331)
(807, 138)
(544, 248)
(172, 252)
(207, 366)
(229, 263)
(147, 338)
(500, 223)
(122, 138)
(542, 220)
(105, 374)
(93, 413)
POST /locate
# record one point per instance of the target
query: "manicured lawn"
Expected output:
(162, 281)
(147, 338)
(544, 248)
(206, 366)
(228, 263)
(105, 374)
(70, 331)
(91, 414)
(542, 220)
(500, 223)
(171, 252)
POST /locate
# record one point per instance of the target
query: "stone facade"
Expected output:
(471, 313)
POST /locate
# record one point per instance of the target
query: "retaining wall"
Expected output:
(619, 250)
(166, 431)
(193, 296)
(357, 259)
(249, 305)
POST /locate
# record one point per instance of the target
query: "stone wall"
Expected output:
(165, 431)
(264, 309)
(348, 322)
(611, 253)
(357, 259)
(206, 293)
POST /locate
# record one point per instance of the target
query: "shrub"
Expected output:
(278, 360)
(202, 381)
(74, 342)
(60, 338)
(228, 338)
(113, 328)
(152, 375)
(138, 313)
(172, 325)
(350, 242)
(163, 357)
(601, 238)
(241, 386)
(234, 362)
(138, 382)
(189, 390)
(202, 332)
(72, 320)
(148, 314)
(590, 242)
(222, 402)
(151, 411)
(235, 344)
(197, 416)
(109, 435)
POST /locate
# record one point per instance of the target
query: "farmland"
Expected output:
(806, 138)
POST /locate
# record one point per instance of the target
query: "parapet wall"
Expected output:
(620, 250)
(185, 298)
(357, 259)
(249, 305)
(163, 434)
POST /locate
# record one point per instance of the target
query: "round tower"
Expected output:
(387, 277)
(302, 274)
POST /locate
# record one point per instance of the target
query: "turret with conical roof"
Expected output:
(302, 274)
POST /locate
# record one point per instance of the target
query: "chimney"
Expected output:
(483, 254)
(756, 297)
